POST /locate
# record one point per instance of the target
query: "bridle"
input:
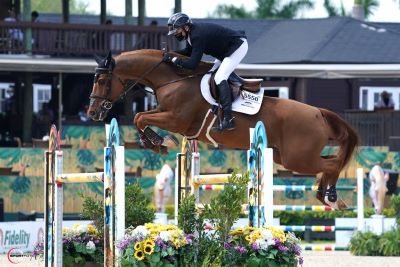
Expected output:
(107, 103)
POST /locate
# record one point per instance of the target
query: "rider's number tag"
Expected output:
(250, 100)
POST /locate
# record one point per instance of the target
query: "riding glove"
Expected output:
(167, 58)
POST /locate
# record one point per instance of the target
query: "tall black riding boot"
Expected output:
(227, 122)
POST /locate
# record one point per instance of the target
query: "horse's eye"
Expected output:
(101, 82)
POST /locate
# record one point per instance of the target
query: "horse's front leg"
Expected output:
(163, 120)
(139, 114)
(143, 139)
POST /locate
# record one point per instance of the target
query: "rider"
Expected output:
(228, 47)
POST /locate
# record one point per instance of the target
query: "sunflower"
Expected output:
(139, 255)
(248, 238)
(138, 246)
(148, 249)
(149, 242)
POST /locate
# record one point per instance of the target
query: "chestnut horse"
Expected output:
(297, 132)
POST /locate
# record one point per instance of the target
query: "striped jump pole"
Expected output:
(261, 166)
(314, 228)
(212, 187)
(113, 178)
(324, 248)
(313, 188)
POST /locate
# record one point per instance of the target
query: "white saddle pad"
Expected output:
(247, 102)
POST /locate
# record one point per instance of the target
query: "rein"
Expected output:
(107, 104)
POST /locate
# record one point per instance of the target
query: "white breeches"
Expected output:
(229, 64)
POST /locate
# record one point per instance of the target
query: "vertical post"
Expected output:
(141, 12)
(48, 204)
(108, 209)
(194, 172)
(58, 210)
(360, 199)
(268, 185)
(28, 32)
(178, 181)
(65, 10)
(27, 109)
(60, 104)
(128, 20)
(249, 184)
(103, 11)
(178, 6)
(119, 195)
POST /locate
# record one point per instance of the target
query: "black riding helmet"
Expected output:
(176, 21)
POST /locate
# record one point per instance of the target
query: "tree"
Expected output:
(265, 9)
(368, 6)
(333, 11)
(75, 6)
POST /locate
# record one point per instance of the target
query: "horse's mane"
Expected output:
(142, 52)
(159, 53)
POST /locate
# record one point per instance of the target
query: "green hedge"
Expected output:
(370, 244)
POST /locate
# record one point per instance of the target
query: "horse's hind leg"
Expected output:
(327, 185)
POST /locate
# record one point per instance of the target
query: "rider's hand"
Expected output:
(167, 58)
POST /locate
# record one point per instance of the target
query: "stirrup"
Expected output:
(229, 126)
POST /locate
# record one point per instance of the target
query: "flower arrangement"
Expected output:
(267, 246)
(152, 245)
(81, 244)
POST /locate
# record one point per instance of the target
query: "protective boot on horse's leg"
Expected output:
(327, 185)
(227, 122)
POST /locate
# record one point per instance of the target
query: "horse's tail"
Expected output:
(345, 135)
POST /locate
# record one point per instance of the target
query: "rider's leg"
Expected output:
(227, 66)
(217, 63)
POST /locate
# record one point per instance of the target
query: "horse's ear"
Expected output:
(110, 63)
(98, 59)
(109, 55)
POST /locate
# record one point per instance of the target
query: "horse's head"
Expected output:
(113, 79)
(101, 100)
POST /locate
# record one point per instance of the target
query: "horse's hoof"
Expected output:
(337, 205)
(170, 141)
(341, 204)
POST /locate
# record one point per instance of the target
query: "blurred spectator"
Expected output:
(385, 102)
(83, 114)
(6, 140)
(378, 178)
(35, 32)
(35, 16)
(44, 120)
(16, 35)
(162, 187)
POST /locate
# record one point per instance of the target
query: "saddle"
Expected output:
(237, 84)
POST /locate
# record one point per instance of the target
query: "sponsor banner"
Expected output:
(23, 236)
(20, 235)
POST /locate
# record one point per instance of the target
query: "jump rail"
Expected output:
(113, 178)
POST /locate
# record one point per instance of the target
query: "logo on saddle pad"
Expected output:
(246, 102)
